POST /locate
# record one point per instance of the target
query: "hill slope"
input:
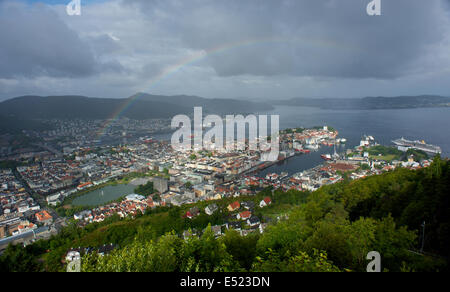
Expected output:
(139, 106)
(81, 107)
(13, 125)
(216, 106)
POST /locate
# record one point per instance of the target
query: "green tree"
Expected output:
(243, 249)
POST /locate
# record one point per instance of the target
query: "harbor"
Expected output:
(313, 169)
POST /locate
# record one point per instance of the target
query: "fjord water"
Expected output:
(429, 124)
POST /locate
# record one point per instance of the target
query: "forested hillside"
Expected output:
(331, 229)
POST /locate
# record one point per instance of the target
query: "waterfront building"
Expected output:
(160, 184)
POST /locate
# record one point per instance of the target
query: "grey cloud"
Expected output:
(306, 38)
(270, 48)
(102, 44)
(36, 42)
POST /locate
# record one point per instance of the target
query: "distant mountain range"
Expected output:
(370, 103)
(215, 106)
(139, 106)
(24, 111)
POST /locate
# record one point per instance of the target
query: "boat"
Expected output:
(313, 147)
(335, 155)
(326, 156)
(404, 145)
(272, 176)
(284, 175)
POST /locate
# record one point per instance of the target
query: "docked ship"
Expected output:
(326, 156)
(404, 145)
(303, 150)
(284, 175)
(313, 147)
(272, 176)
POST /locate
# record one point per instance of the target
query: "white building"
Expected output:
(135, 198)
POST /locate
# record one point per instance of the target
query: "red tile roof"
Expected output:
(235, 205)
(245, 214)
(43, 216)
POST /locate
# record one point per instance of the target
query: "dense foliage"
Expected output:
(145, 190)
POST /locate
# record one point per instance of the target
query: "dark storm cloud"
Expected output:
(36, 42)
(256, 48)
(305, 38)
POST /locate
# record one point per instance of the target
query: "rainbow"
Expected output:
(172, 69)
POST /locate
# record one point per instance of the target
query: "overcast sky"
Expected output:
(234, 48)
